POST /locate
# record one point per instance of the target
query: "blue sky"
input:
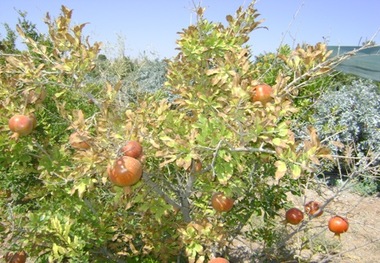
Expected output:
(152, 25)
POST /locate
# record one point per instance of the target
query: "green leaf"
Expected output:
(198, 248)
(224, 172)
(59, 94)
(81, 188)
(58, 250)
(296, 171)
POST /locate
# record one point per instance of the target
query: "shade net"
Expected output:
(365, 63)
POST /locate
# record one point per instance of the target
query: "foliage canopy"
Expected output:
(57, 202)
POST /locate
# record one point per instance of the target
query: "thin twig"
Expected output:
(328, 259)
(252, 149)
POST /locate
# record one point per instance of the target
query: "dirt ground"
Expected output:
(360, 244)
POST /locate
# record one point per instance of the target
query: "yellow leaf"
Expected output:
(154, 144)
(66, 11)
(14, 61)
(281, 169)
(168, 141)
(20, 31)
(313, 136)
(278, 142)
(296, 171)
(81, 188)
(59, 94)
(170, 160)
(212, 72)
(58, 250)
(227, 157)
(161, 154)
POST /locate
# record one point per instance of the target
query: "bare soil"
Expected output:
(361, 243)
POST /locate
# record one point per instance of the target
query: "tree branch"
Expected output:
(147, 178)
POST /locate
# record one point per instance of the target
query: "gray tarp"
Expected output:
(366, 62)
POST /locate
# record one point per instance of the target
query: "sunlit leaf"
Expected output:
(296, 171)
(281, 169)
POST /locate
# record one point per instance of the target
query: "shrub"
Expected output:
(134, 77)
(350, 115)
(149, 77)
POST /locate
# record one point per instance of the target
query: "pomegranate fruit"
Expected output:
(312, 208)
(18, 257)
(222, 203)
(126, 171)
(132, 149)
(219, 260)
(338, 225)
(262, 93)
(294, 216)
(21, 125)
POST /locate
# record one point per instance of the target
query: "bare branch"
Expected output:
(251, 149)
